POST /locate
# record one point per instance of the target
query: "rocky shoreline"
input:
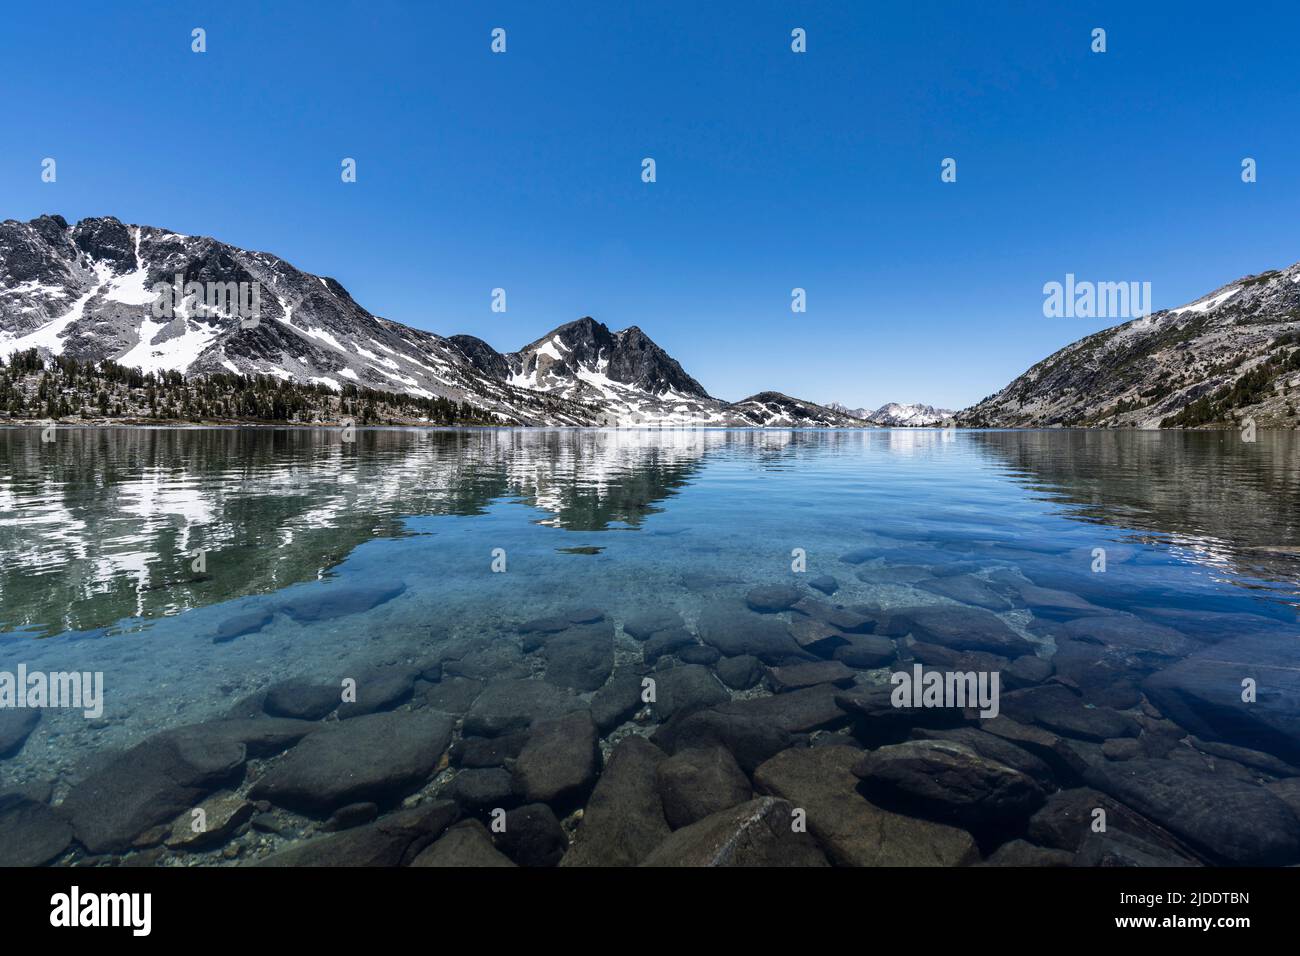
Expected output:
(762, 733)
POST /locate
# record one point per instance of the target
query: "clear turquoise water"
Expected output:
(98, 531)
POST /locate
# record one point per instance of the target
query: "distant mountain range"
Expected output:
(896, 415)
(90, 291)
(1231, 356)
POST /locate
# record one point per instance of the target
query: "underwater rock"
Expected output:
(16, 725)
(750, 738)
(454, 695)
(581, 658)
(739, 673)
(1024, 853)
(968, 589)
(394, 839)
(962, 629)
(624, 819)
(1131, 634)
(796, 712)
(795, 676)
(1204, 693)
(699, 782)
(1117, 848)
(301, 699)
(686, 688)
(1068, 816)
(533, 836)
(1234, 821)
(617, 701)
(757, 833)
(1059, 709)
(466, 844)
(735, 631)
(995, 748)
(32, 833)
(479, 789)
(949, 782)
(816, 637)
(824, 583)
(377, 757)
(332, 600)
(381, 688)
(559, 764)
(852, 830)
(505, 706)
(149, 784)
(663, 643)
(222, 815)
(699, 654)
(238, 625)
(642, 624)
(771, 598)
(477, 752)
(866, 651)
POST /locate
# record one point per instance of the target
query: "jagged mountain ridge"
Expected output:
(1229, 356)
(87, 291)
(899, 414)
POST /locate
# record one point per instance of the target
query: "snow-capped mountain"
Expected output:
(161, 301)
(898, 415)
(1228, 356)
(89, 291)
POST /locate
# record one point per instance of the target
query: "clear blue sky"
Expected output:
(775, 170)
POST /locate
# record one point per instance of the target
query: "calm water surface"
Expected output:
(99, 532)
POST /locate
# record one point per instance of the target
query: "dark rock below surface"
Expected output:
(617, 700)
(301, 700)
(377, 757)
(962, 629)
(466, 844)
(1059, 709)
(853, 831)
(1233, 821)
(533, 836)
(684, 689)
(1204, 693)
(699, 782)
(559, 764)
(740, 673)
(624, 819)
(380, 689)
(16, 725)
(581, 658)
(168, 773)
(772, 597)
(478, 790)
(949, 782)
(31, 832)
(757, 833)
(509, 705)
(393, 840)
(736, 631)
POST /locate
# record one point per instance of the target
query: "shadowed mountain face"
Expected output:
(1230, 356)
(92, 291)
